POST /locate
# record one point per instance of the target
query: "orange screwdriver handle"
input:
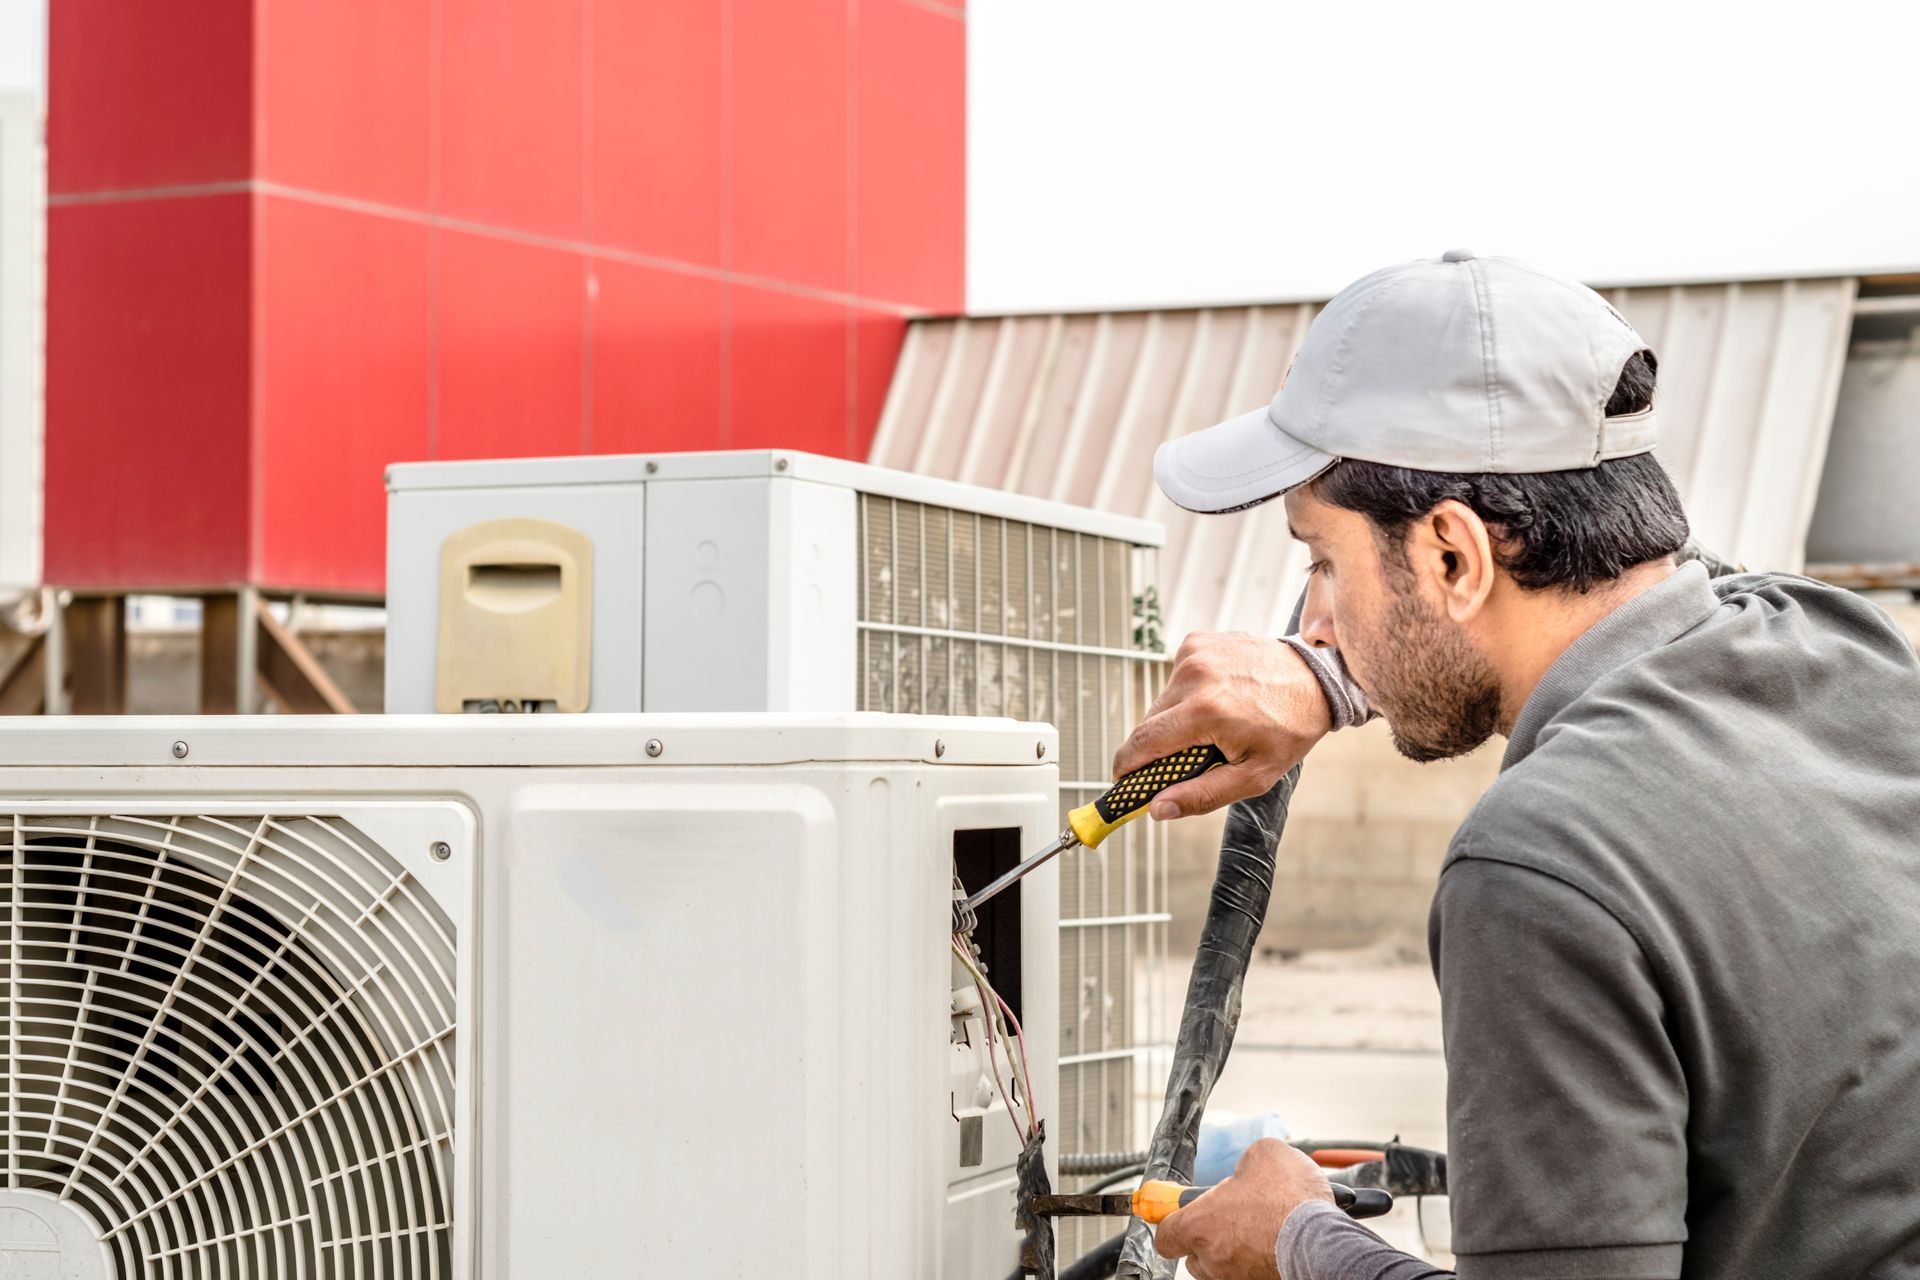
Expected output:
(1155, 1201)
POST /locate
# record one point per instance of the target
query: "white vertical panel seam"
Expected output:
(1820, 428)
(1706, 432)
(942, 399)
(1119, 455)
(1076, 432)
(1036, 397)
(1744, 545)
(1670, 322)
(1181, 589)
(1182, 403)
(1250, 524)
(1246, 536)
(905, 370)
(980, 428)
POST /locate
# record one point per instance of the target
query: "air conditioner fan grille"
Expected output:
(230, 1040)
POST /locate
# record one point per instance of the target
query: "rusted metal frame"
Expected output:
(291, 673)
(95, 630)
(220, 654)
(23, 688)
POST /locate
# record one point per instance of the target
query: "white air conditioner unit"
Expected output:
(782, 581)
(515, 998)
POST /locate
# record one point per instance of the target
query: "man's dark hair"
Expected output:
(1568, 529)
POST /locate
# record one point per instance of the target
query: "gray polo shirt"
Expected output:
(1678, 949)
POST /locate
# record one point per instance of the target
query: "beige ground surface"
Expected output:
(1342, 1044)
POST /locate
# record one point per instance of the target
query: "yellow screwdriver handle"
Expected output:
(1128, 798)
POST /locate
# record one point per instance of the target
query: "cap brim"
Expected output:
(1240, 463)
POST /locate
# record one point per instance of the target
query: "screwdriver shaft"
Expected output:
(1066, 841)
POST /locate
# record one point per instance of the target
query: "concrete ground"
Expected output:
(1342, 1044)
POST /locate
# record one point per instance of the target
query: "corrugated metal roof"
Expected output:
(1071, 407)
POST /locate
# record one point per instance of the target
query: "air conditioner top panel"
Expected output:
(740, 738)
(632, 468)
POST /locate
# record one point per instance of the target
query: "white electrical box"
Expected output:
(515, 997)
(779, 581)
(719, 581)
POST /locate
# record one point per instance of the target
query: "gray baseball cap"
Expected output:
(1459, 364)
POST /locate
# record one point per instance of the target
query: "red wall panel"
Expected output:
(659, 346)
(789, 145)
(511, 349)
(148, 465)
(657, 137)
(512, 119)
(463, 228)
(341, 327)
(909, 131)
(789, 386)
(344, 98)
(148, 95)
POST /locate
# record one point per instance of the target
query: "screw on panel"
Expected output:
(180, 751)
(653, 468)
(779, 464)
(1039, 751)
(441, 850)
(655, 746)
(939, 748)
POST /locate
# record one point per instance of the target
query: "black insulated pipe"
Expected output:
(1084, 1164)
(1098, 1263)
(1241, 890)
(1095, 1264)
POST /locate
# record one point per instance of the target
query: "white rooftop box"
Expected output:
(721, 581)
(518, 998)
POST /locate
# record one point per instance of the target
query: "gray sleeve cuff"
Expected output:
(1318, 1242)
(1344, 698)
(1623, 1262)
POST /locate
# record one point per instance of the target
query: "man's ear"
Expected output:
(1453, 550)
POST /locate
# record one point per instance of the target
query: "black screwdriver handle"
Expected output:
(1367, 1202)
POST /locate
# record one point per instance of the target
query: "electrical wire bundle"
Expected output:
(996, 1013)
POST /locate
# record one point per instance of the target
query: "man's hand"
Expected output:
(1232, 1232)
(1254, 698)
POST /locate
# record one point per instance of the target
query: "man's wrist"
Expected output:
(1346, 701)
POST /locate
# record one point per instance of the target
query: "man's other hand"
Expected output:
(1233, 1231)
(1254, 698)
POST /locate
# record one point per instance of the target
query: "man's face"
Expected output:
(1437, 690)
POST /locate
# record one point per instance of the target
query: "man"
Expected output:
(1678, 940)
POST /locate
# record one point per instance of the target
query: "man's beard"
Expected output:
(1438, 693)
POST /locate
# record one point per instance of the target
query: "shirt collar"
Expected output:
(1651, 619)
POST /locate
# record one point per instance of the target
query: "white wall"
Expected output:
(23, 44)
(1149, 152)
(22, 307)
(22, 286)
